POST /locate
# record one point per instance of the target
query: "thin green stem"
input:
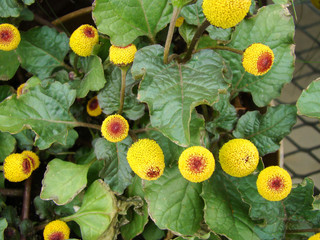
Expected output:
(237, 51)
(195, 39)
(88, 125)
(75, 64)
(175, 14)
(123, 87)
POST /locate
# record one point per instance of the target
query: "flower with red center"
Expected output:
(115, 128)
(146, 159)
(239, 157)
(315, 237)
(9, 37)
(17, 168)
(56, 230)
(83, 39)
(122, 56)
(257, 59)
(93, 107)
(33, 158)
(196, 164)
(274, 183)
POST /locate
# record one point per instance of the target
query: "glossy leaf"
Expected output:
(109, 96)
(10, 8)
(172, 91)
(44, 110)
(125, 20)
(63, 181)
(272, 26)
(97, 212)
(9, 64)
(116, 171)
(7, 145)
(175, 203)
(308, 103)
(266, 131)
(41, 50)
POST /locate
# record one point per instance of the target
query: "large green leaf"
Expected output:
(308, 103)
(7, 145)
(63, 181)
(116, 172)
(193, 13)
(225, 212)
(125, 20)
(44, 110)
(9, 64)
(10, 8)
(5, 91)
(3, 226)
(180, 3)
(172, 91)
(152, 232)
(266, 131)
(175, 203)
(97, 212)
(272, 26)
(41, 50)
(109, 97)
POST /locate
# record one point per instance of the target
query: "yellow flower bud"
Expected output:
(9, 37)
(274, 183)
(56, 230)
(239, 157)
(179, 21)
(17, 168)
(146, 159)
(115, 128)
(225, 13)
(93, 108)
(122, 56)
(83, 39)
(196, 164)
(33, 158)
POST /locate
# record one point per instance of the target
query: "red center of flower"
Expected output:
(32, 161)
(6, 36)
(26, 166)
(264, 62)
(115, 128)
(153, 172)
(88, 31)
(93, 104)
(197, 164)
(56, 236)
(276, 183)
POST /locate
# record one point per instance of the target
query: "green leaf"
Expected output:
(3, 226)
(125, 20)
(175, 203)
(136, 222)
(57, 148)
(266, 131)
(225, 212)
(197, 129)
(272, 26)
(172, 91)
(280, 1)
(109, 96)
(44, 110)
(42, 49)
(193, 13)
(180, 3)
(10, 8)
(219, 33)
(28, 2)
(152, 232)
(63, 181)
(93, 79)
(97, 212)
(187, 32)
(44, 209)
(9, 64)
(5, 91)
(25, 139)
(116, 172)
(7, 145)
(308, 103)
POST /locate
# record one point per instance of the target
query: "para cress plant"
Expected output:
(153, 123)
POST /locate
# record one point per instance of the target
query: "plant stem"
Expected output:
(123, 87)
(240, 52)
(174, 18)
(205, 112)
(26, 199)
(195, 39)
(11, 192)
(304, 230)
(75, 65)
(133, 136)
(88, 125)
(45, 22)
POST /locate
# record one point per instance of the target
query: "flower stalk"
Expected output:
(123, 88)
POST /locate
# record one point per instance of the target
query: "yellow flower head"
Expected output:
(225, 13)
(33, 158)
(257, 59)
(239, 157)
(179, 21)
(122, 56)
(56, 230)
(196, 164)
(115, 128)
(83, 39)
(9, 37)
(146, 159)
(274, 183)
(21, 90)
(93, 107)
(315, 237)
(17, 168)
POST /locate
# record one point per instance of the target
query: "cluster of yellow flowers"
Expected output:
(56, 230)
(19, 166)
